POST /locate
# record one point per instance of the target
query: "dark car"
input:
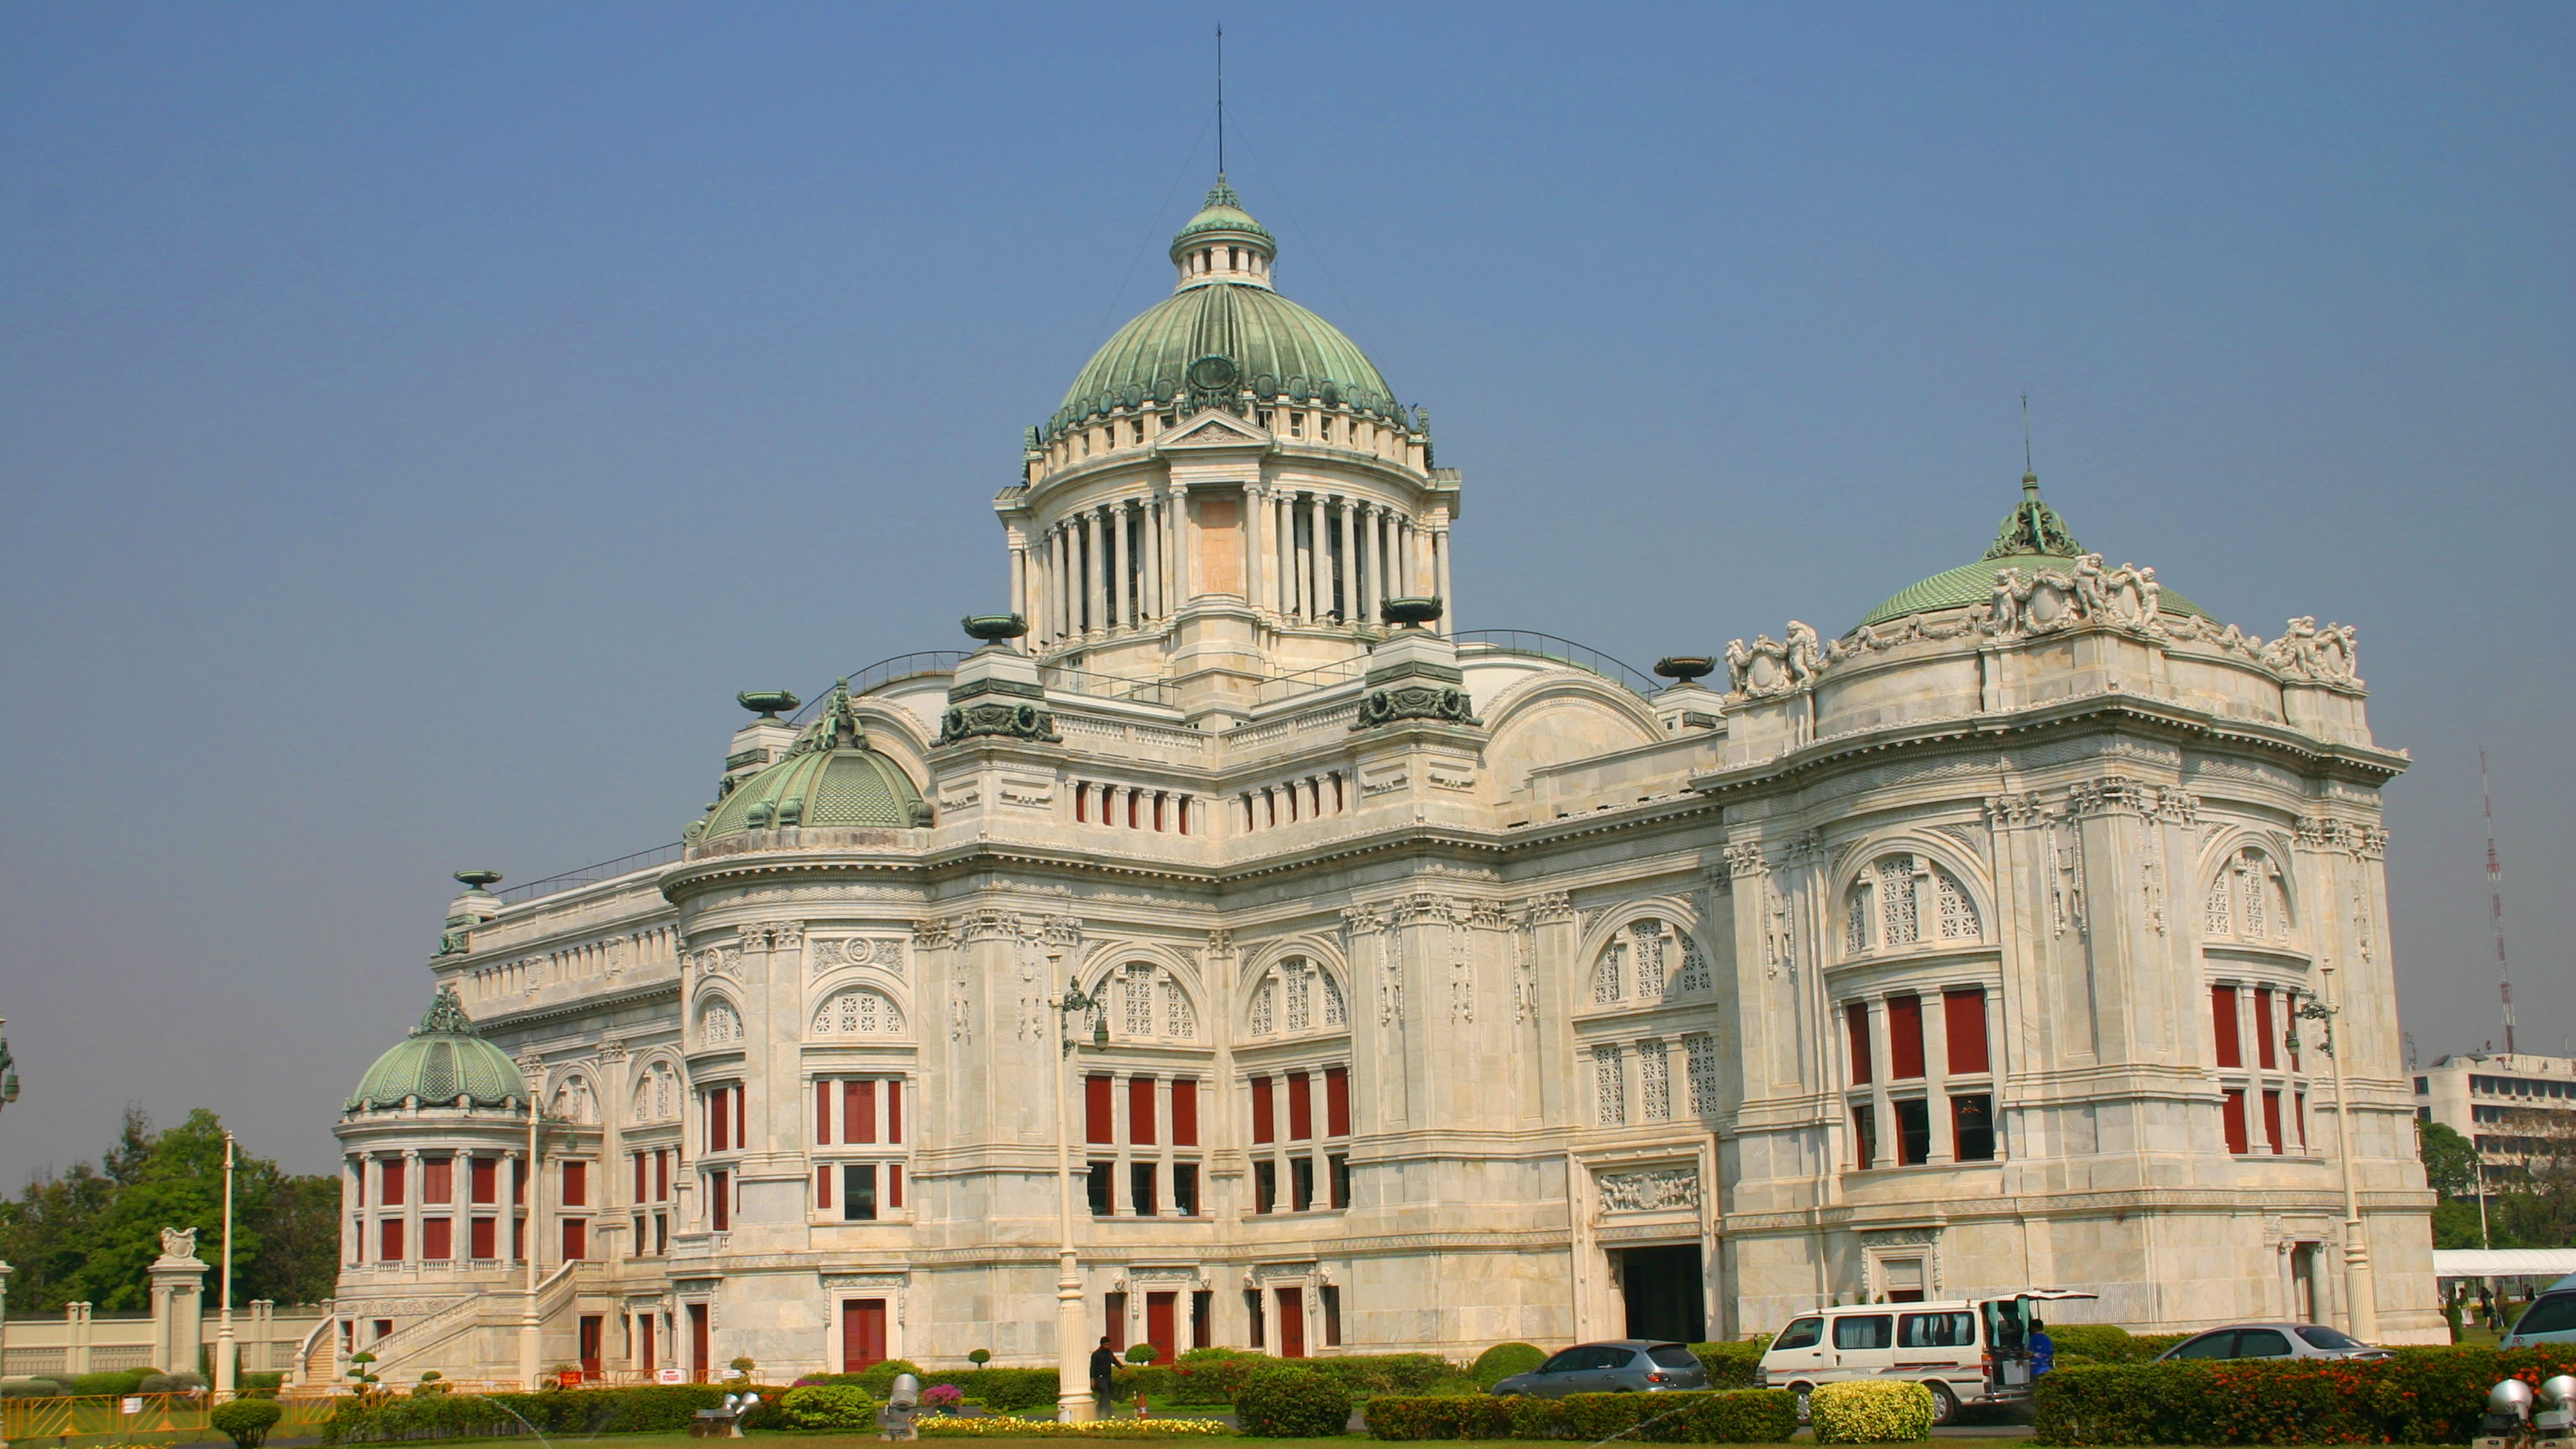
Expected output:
(1613, 1366)
(2273, 1340)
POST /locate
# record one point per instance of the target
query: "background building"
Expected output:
(2517, 1108)
(1449, 988)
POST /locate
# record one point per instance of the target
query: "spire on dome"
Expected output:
(2034, 527)
(445, 1017)
(1223, 243)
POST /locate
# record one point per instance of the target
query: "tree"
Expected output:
(93, 1232)
(2450, 1160)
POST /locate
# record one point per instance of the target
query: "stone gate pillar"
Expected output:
(178, 1302)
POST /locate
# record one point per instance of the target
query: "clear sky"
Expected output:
(416, 422)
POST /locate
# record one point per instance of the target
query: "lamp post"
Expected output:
(226, 1369)
(529, 1325)
(2361, 1308)
(1073, 1401)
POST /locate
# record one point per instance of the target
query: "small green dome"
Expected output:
(830, 778)
(443, 1059)
(1222, 334)
(2033, 537)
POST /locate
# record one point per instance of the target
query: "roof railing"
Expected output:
(1535, 645)
(591, 874)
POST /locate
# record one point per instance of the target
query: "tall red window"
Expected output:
(859, 1111)
(719, 1202)
(390, 1240)
(1301, 1108)
(1963, 1017)
(478, 1238)
(822, 1187)
(1185, 1112)
(393, 1184)
(1261, 1109)
(1140, 1111)
(741, 1114)
(719, 1122)
(576, 1239)
(1856, 1022)
(894, 1110)
(662, 1174)
(2272, 1122)
(483, 1179)
(2222, 1016)
(576, 1187)
(2232, 1113)
(640, 1194)
(1337, 1101)
(894, 1184)
(1905, 1037)
(438, 1180)
(822, 1116)
(1098, 1114)
(2265, 1048)
(437, 1239)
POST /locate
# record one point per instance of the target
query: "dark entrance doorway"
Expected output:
(1665, 1296)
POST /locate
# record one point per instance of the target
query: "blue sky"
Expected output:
(417, 422)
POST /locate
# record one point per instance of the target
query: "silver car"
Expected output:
(2273, 1340)
(1613, 1366)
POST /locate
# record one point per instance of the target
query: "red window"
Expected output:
(894, 1184)
(1905, 1037)
(390, 1241)
(519, 1239)
(1301, 1108)
(437, 1238)
(2299, 1114)
(719, 1122)
(719, 1202)
(1185, 1112)
(2233, 1114)
(894, 1110)
(478, 1237)
(1081, 796)
(859, 1112)
(1337, 1101)
(576, 1192)
(392, 1195)
(2222, 1015)
(2264, 1046)
(1181, 809)
(640, 1195)
(483, 1179)
(518, 1182)
(1140, 1111)
(822, 1117)
(1261, 1109)
(438, 1180)
(2272, 1121)
(1856, 1021)
(576, 1239)
(822, 1187)
(741, 1112)
(1096, 1110)
(1963, 1015)
(662, 1175)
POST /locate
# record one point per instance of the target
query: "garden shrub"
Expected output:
(829, 1406)
(182, 1382)
(259, 1385)
(34, 1389)
(1870, 1411)
(114, 1385)
(1504, 1360)
(1281, 1402)
(1535, 1418)
(245, 1421)
(2431, 1395)
(1453, 1417)
(1730, 1365)
(1009, 1389)
(878, 1378)
(1747, 1416)
(369, 1418)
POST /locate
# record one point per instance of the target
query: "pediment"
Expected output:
(1215, 429)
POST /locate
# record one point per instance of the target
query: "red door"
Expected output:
(591, 1324)
(863, 1341)
(698, 1348)
(1158, 1326)
(1292, 1323)
(644, 1342)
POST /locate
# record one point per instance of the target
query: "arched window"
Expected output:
(1152, 1003)
(657, 1094)
(574, 1103)
(1297, 996)
(1904, 900)
(718, 1023)
(858, 1012)
(2247, 898)
(1650, 960)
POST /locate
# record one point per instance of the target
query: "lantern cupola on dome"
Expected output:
(444, 1062)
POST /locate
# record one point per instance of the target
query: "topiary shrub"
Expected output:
(878, 1378)
(34, 1389)
(1504, 1360)
(1730, 1365)
(246, 1421)
(1458, 1417)
(1280, 1402)
(1011, 1388)
(830, 1406)
(110, 1385)
(1870, 1411)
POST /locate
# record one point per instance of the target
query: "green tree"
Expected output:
(92, 1232)
(2450, 1160)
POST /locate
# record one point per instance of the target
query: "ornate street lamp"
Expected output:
(227, 1354)
(1073, 1399)
(2361, 1308)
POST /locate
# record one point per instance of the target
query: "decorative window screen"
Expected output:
(1648, 939)
(858, 1012)
(2218, 919)
(1958, 913)
(1178, 1019)
(1605, 977)
(1337, 1015)
(1654, 1080)
(1610, 1085)
(1896, 901)
(1701, 1048)
(1297, 979)
(1136, 993)
(1856, 918)
(718, 1023)
(1695, 974)
(1265, 1008)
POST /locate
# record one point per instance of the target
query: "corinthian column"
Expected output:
(1123, 599)
(1095, 582)
(1349, 512)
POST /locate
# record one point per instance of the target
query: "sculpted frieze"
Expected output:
(1653, 1190)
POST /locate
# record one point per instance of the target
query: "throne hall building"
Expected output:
(1444, 988)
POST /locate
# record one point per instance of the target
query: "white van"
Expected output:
(1965, 1352)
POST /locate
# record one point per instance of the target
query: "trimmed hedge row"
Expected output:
(1740, 1416)
(1871, 1411)
(663, 1408)
(2420, 1396)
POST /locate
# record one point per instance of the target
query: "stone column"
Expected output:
(1254, 532)
(1319, 559)
(1121, 592)
(1448, 599)
(513, 1194)
(1095, 579)
(1373, 550)
(1283, 555)
(411, 1204)
(178, 1302)
(77, 1331)
(1152, 525)
(353, 1202)
(1349, 511)
(1059, 581)
(1020, 580)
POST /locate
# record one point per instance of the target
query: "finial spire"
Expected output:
(1220, 105)
(2029, 474)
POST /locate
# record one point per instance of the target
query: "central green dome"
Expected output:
(1223, 334)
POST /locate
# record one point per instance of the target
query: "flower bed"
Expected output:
(999, 1426)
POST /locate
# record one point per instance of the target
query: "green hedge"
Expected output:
(1744, 1416)
(1212, 1376)
(651, 1408)
(2420, 1396)
(1871, 1411)
(1287, 1401)
(245, 1421)
(1730, 1365)
(114, 1385)
(1504, 1360)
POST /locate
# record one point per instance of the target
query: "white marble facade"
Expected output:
(1958, 953)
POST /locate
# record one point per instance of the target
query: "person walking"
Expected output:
(1104, 1371)
(2043, 1349)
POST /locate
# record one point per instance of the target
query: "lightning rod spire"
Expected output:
(2495, 902)
(1220, 100)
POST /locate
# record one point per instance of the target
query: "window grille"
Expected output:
(1265, 1017)
(1958, 913)
(857, 1013)
(1138, 993)
(1605, 979)
(1896, 901)
(1654, 1080)
(1337, 1015)
(1300, 995)
(1178, 1019)
(1695, 973)
(718, 1024)
(1856, 919)
(1610, 1085)
(1702, 1050)
(1648, 938)
(2219, 921)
